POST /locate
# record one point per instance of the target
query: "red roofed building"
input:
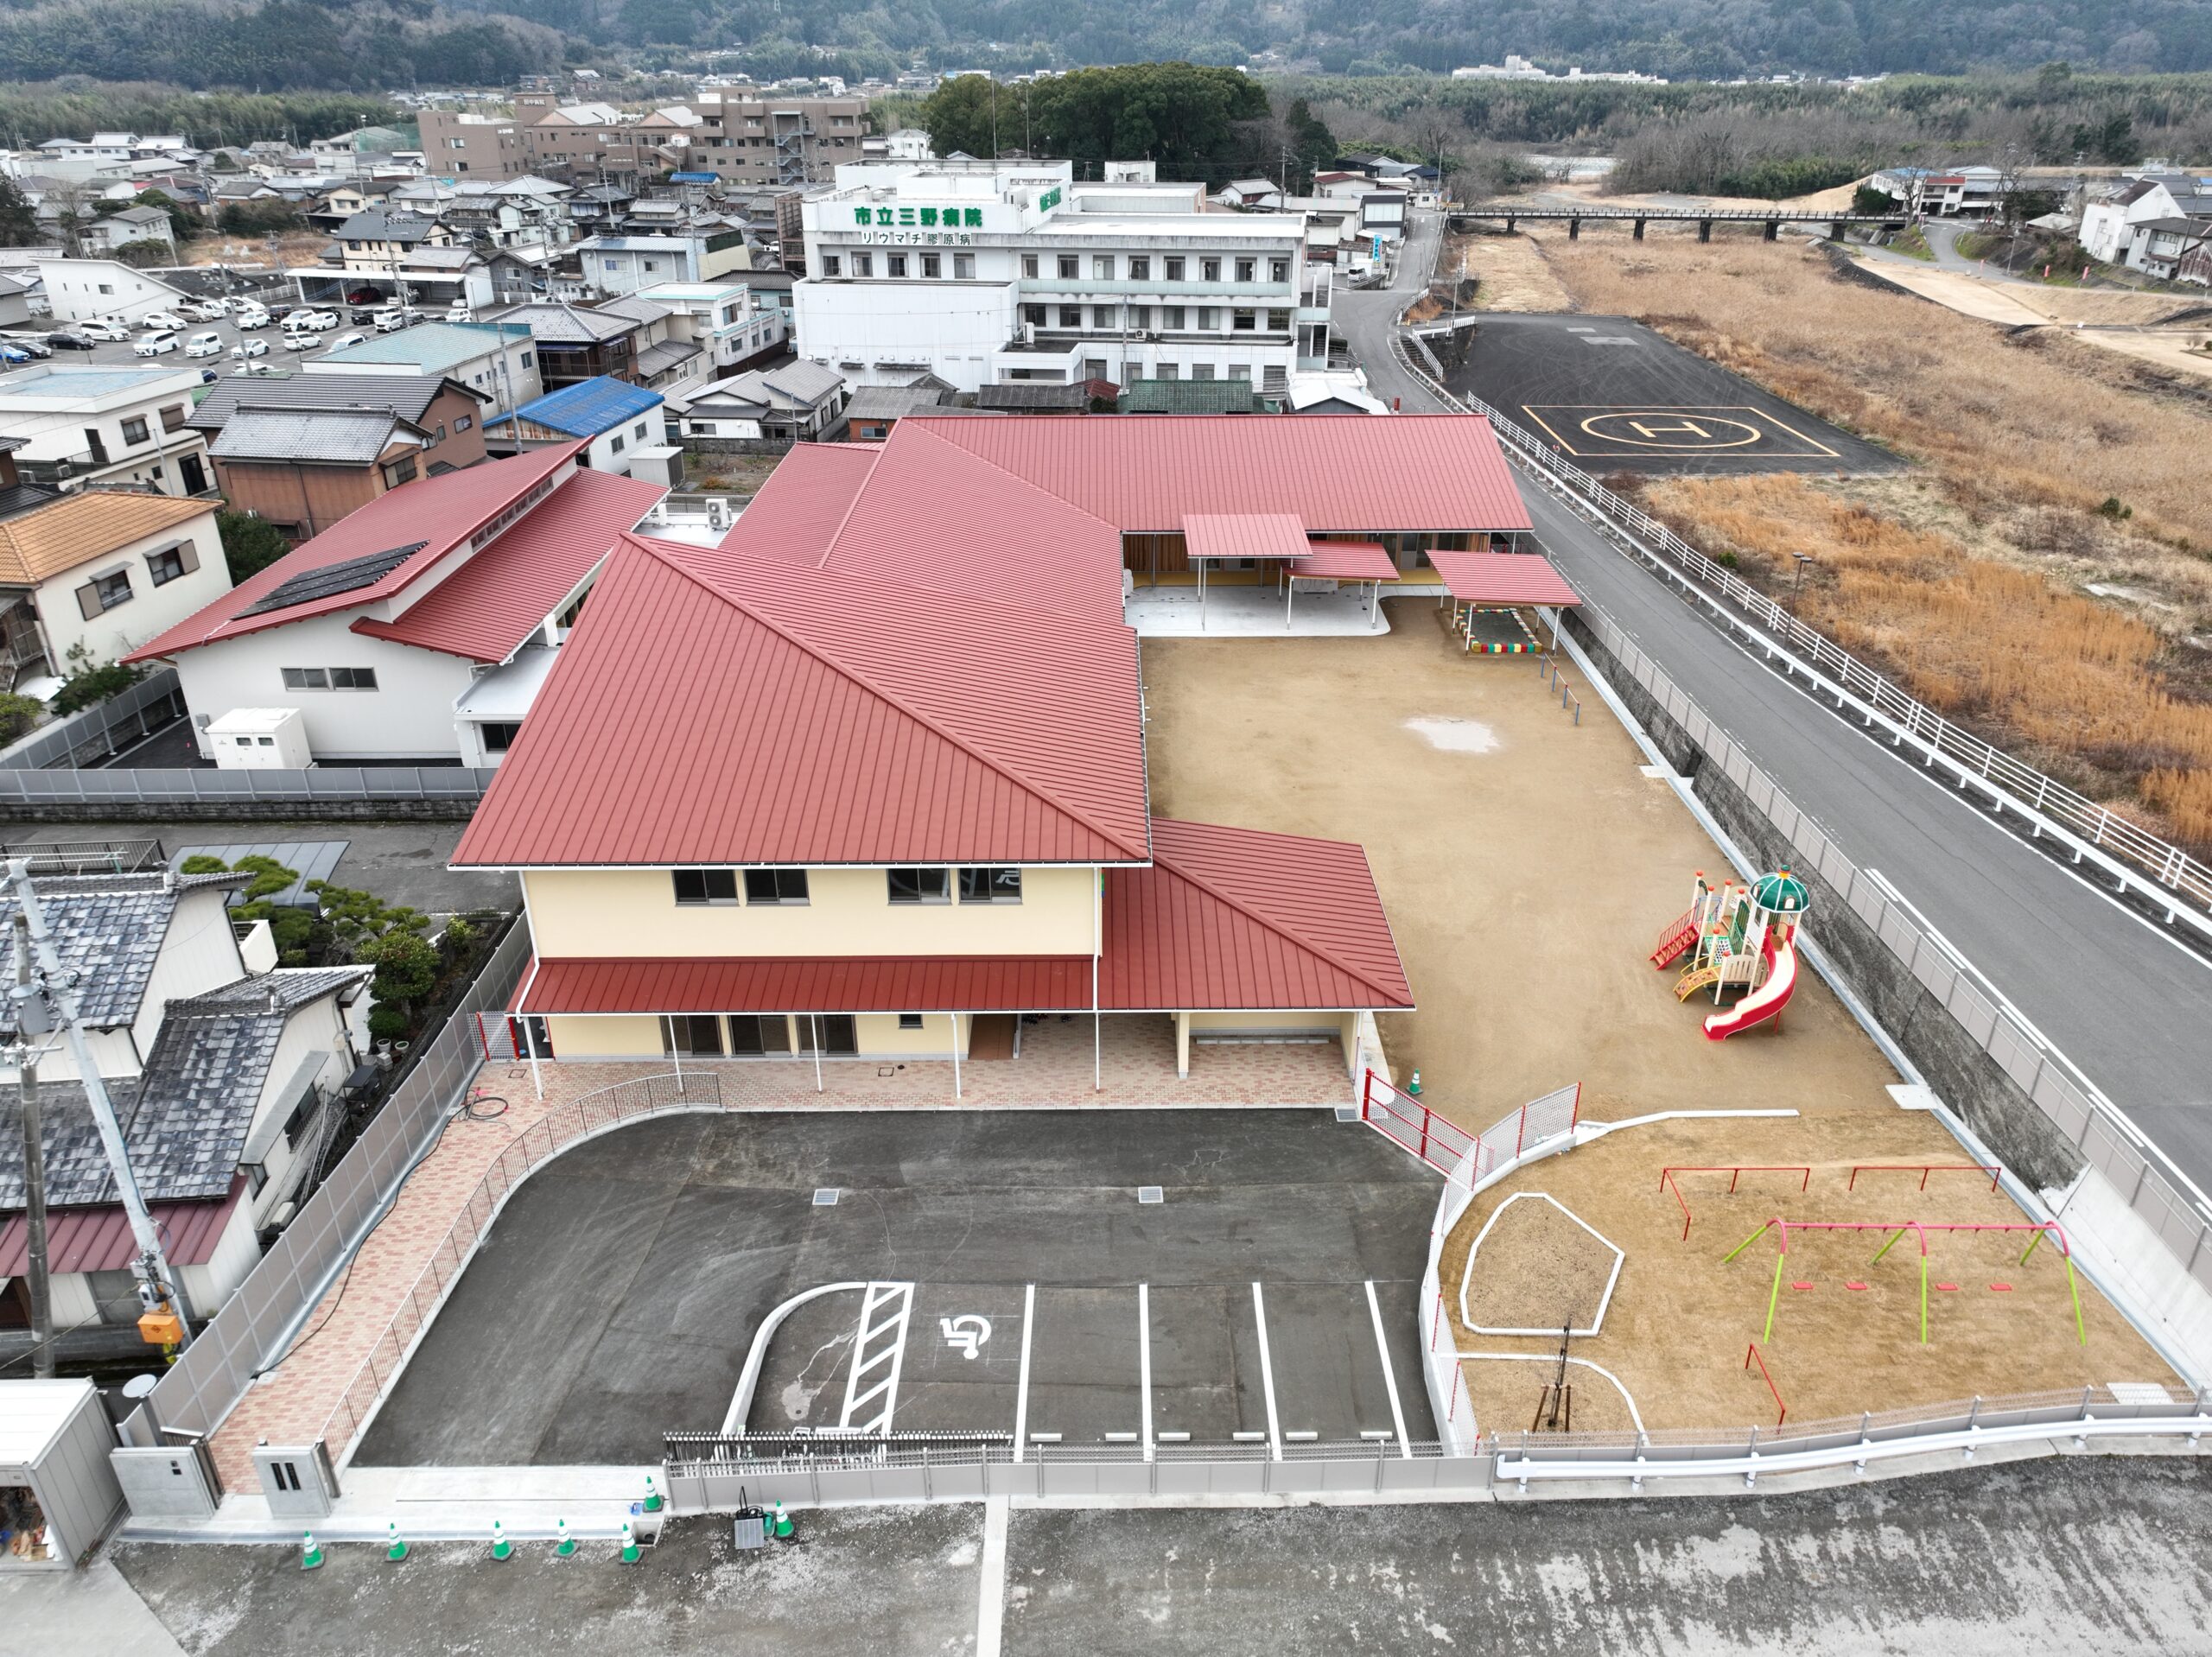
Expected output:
(867, 779)
(419, 626)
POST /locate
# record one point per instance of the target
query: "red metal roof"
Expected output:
(797, 512)
(100, 1240)
(1346, 560)
(720, 708)
(488, 606)
(810, 984)
(1503, 578)
(1238, 919)
(442, 513)
(1336, 472)
(1244, 535)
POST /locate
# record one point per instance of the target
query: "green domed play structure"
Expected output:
(1738, 937)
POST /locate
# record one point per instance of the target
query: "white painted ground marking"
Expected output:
(1454, 735)
(1144, 1359)
(889, 1358)
(990, 1583)
(966, 1333)
(1267, 1372)
(1021, 1384)
(1390, 1375)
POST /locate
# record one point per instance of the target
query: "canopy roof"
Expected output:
(1503, 578)
(1244, 535)
(1345, 561)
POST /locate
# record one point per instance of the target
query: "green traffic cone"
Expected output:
(784, 1528)
(1413, 1086)
(568, 1543)
(311, 1555)
(501, 1548)
(398, 1550)
(630, 1553)
(653, 1496)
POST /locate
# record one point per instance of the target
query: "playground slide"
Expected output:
(1764, 1003)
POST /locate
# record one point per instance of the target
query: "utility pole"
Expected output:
(34, 1181)
(45, 999)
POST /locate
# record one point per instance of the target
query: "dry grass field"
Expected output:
(1974, 594)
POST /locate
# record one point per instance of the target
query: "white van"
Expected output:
(252, 316)
(156, 344)
(209, 344)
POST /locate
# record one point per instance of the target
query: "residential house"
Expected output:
(623, 264)
(225, 1085)
(100, 237)
(669, 359)
(380, 629)
(87, 576)
(89, 424)
(462, 142)
(619, 424)
(375, 239)
(86, 291)
(2110, 213)
(308, 450)
(498, 359)
(16, 288)
(875, 409)
(574, 342)
(1260, 194)
(930, 835)
(730, 323)
(768, 408)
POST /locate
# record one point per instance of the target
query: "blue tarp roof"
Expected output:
(589, 407)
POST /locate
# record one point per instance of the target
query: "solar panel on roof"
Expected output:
(333, 579)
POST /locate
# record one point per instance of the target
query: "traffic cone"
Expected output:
(398, 1550)
(653, 1496)
(1413, 1086)
(311, 1555)
(568, 1543)
(784, 1530)
(630, 1553)
(501, 1548)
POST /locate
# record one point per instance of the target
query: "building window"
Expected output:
(1279, 269)
(1201, 371)
(832, 265)
(463, 423)
(696, 888)
(134, 429)
(692, 1033)
(1034, 314)
(1029, 264)
(833, 1035)
(1166, 371)
(1240, 371)
(1139, 267)
(1209, 319)
(775, 886)
(1068, 267)
(638, 430)
(104, 592)
(1071, 316)
(963, 267)
(399, 472)
(1171, 317)
(1105, 318)
(919, 885)
(1174, 267)
(1140, 316)
(910, 1021)
(1247, 269)
(1244, 321)
(990, 885)
(169, 564)
(1101, 267)
(330, 678)
(863, 265)
(752, 1033)
(1210, 269)
(932, 264)
(1279, 321)
(894, 264)
(615, 444)
(498, 735)
(527, 359)
(172, 417)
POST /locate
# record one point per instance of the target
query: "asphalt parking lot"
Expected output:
(121, 355)
(1613, 396)
(618, 1292)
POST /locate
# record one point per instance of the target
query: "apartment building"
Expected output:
(82, 426)
(983, 273)
(746, 136)
(586, 140)
(457, 143)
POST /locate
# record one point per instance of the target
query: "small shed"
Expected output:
(57, 1490)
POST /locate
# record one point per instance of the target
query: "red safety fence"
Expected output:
(1924, 1169)
(1449, 1148)
(1667, 1181)
(1751, 1352)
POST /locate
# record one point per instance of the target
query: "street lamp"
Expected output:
(1798, 582)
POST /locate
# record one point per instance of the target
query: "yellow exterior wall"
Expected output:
(634, 913)
(604, 1037)
(877, 1035)
(1242, 1021)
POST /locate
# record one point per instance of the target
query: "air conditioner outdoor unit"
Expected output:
(1028, 333)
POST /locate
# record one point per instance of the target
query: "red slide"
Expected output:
(1766, 1001)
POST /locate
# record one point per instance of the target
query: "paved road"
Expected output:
(2124, 1004)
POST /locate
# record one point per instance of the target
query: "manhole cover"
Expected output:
(825, 1196)
(1152, 1194)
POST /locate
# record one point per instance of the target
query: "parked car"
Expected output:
(345, 339)
(12, 357)
(245, 348)
(390, 319)
(156, 344)
(207, 344)
(255, 368)
(317, 320)
(301, 339)
(63, 340)
(109, 332)
(209, 377)
(203, 310)
(161, 319)
(361, 314)
(31, 344)
(460, 313)
(252, 316)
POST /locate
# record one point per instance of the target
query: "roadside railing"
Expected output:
(2137, 857)
(546, 1138)
(180, 786)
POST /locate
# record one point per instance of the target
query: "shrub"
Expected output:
(406, 966)
(17, 715)
(201, 863)
(387, 1024)
(94, 685)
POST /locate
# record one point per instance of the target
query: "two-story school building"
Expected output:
(867, 780)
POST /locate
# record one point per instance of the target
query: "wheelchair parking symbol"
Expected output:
(966, 1333)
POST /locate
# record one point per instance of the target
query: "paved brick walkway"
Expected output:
(292, 1403)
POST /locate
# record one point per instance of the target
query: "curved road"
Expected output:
(2125, 1003)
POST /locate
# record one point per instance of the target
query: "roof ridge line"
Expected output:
(873, 689)
(1168, 861)
(1027, 483)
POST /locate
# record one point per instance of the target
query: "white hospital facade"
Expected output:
(984, 274)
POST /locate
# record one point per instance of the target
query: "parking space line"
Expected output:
(1144, 1359)
(1390, 1375)
(990, 1585)
(1021, 1384)
(1266, 1373)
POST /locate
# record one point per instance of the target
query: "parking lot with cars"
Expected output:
(246, 336)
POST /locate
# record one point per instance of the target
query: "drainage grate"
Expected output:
(1347, 1112)
(825, 1196)
(1151, 1194)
